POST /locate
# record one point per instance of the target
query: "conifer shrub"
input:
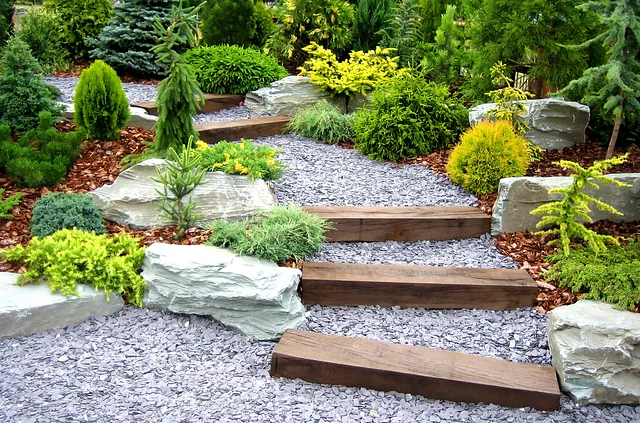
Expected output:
(232, 69)
(57, 211)
(279, 235)
(228, 22)
(371, 17)
(38, 29)
(243, 158)
(101, 105)
(23, 92)
(7, 204)
(263, 17)
(6, 20)
(324, 122)
(72, 256)
(488, 152)
(408, 117)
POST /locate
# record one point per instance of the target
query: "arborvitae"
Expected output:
(614, 87)
(371, 16)
(101, 105)
(126, 42)
(6, 20)
(228, 22)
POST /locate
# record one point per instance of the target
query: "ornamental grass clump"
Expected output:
(279, 235)
(563, 215)
(324, 122)
(57, 211)
(243, 158)
(488, 152)
(72, 256)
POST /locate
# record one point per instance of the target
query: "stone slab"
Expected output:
(139, 117)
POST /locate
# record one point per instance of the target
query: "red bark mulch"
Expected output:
(76, 69)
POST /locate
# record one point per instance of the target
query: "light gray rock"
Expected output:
(596, 351)
(139, 117)
(517, 197)
(132, 199)
(554, 123)
(285, 96)
(33, 308)
(251, 295)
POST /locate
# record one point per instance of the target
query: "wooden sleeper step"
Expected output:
(344, 284)
(430, 372)
(235, 130)
(212, 103)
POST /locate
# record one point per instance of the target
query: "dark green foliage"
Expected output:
(78, 20)
(6, 22)
(41, 156)
(407, 118)
(57, 211)
(101, 105)
(38, 30)
(7, 204)
(446, 55)
(125, 42)
(23, 93)
(279, 235)
(613, 276)
(228, 22)
(263, 17)
(370, 18)
(324, 122)
(403, 33)
(232, 69)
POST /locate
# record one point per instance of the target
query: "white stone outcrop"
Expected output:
(132, 199)
(596, 351)
(139, 117)
(251, 295)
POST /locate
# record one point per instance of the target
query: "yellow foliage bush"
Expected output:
(488, 152)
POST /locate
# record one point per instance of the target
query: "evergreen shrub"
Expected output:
(57, 211)
(243, 158)
(263, 17)
(7, 204)
(72, 256)
(228, 22)
(488, 152)
(408, 117)
(324, 122)
(232, 69)
(101, 105)
(371, 17)
(6, 20)
(38, 30)
(279, 235)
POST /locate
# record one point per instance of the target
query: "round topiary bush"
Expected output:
(232, 69)
(57, 211)
(488, 152)
(101, 105)
(408, 117)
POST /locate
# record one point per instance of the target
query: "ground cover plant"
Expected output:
(7, 204)
(279, 235)
(324, 122)
(57, 211)
(72, 256)
(232, 69)
(243, 158)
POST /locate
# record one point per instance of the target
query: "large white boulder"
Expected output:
(596, 351)
(132, 199)
(253, 296)
(554, 123)
(139, 117)
(33, 308)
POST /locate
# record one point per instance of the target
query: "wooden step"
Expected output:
(403, 223)
(212, 103)
(344, 284)
(235, 130)
(432, 373)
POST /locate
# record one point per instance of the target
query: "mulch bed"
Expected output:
(76, 69)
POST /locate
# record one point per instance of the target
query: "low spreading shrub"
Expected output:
(323, 121)
(244, 158)
(613, 276)
(42, 156)
(488, 152)
(408, 117)
(100, 103)
(232, 69)
(57, 211)
(7, 204)
(72, 256)
(281, 234)
(38, 30)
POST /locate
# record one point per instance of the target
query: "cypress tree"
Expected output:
(126, 42)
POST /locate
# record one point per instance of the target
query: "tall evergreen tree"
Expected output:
(126, 42)
(6, 20)
(614, 86)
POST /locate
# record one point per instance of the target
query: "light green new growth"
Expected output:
(8, 204)
(561, 215)
(180, 178)
(508, 99)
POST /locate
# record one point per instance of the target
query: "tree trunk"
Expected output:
(614, 136)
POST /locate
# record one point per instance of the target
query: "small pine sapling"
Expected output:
(179, 179)
(562, 215)
(508, 99)
(8, 204)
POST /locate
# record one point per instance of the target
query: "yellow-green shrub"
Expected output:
(487, 152)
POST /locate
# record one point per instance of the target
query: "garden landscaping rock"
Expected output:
(517, 197)
(139, 117)
(285, 96)
(29, 309)
(251, 295)
(132, 199)
(596, 352)
(554, 123)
